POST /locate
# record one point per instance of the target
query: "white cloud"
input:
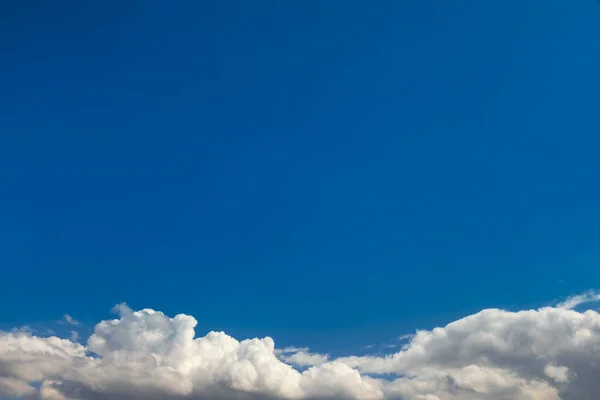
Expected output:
(559, 374)
(15, 388)
(301, 357)
(70, 320)
(575, 301)
(497, 354)
(407, 336)
(290, 349)
(548, 354)
(146, 354)
(50, 390)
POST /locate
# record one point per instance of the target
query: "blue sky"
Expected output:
(332, 175)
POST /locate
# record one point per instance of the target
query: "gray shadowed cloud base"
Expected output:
(552, 353)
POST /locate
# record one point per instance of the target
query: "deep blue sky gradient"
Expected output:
(318, 171)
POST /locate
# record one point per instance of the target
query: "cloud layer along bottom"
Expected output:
(547, 354)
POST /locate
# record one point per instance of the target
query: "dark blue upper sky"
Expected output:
(298, 168)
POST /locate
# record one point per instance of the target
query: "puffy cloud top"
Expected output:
(547, 354)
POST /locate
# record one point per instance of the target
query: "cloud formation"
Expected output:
(552, 353)
(584, 298)
(70, 320)
(301, 357)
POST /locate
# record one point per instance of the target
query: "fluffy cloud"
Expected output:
(551, 353)
(146, 355)
(548, 354)
(559, 374)
(15, 388)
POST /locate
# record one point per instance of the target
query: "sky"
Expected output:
(332, 175)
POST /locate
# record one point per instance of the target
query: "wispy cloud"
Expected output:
(301, 356)
(408, 336)
(575, 301)
(70, 320)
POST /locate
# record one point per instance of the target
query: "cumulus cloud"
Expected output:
(552, 353)
(15, 388)
(497, 354)
(146, 354)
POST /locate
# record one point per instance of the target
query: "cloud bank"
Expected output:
(552, 353)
